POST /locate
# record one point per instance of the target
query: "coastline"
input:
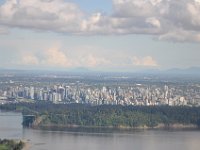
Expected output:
(119, 128)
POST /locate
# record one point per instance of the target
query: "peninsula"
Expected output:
(41, 115)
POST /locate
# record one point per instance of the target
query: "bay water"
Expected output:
(11, 128)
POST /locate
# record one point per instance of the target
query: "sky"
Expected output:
(103, 35)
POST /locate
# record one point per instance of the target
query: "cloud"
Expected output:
(52, 15)
(52, 57)
(56, 57)
(146, 61)
(29, 59)
(166, 19)
(176, 20)
(93, 61)
(90, 57)
(154, 22)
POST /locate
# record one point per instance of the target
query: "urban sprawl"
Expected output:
(94, 94)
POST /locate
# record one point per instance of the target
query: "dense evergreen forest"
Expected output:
(48, 114)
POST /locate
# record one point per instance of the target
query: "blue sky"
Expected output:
(117, 35)
(95, 5)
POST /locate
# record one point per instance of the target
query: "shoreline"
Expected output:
(111, 128)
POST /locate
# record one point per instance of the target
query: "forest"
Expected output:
(116, 116)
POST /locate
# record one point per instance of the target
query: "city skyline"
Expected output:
(106, 35)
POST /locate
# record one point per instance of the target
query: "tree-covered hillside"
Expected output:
(48, 114)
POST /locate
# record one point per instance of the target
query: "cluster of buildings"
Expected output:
(137, 94)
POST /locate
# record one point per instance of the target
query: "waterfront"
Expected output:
(10, 127)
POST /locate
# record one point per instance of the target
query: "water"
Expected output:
(10, 127)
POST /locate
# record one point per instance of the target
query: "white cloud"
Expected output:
(57, 57)
(146, 61)
(180, 35)
(54, 57)
(166, 19)
(161, 18)
(29, 59)
(53, 15)
(93, 61)
(154, 22)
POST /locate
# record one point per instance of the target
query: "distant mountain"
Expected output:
(79, 69)
(187, 71)
(174, 71)
(149, 71)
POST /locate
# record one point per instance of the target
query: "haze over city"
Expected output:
(106, 35)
